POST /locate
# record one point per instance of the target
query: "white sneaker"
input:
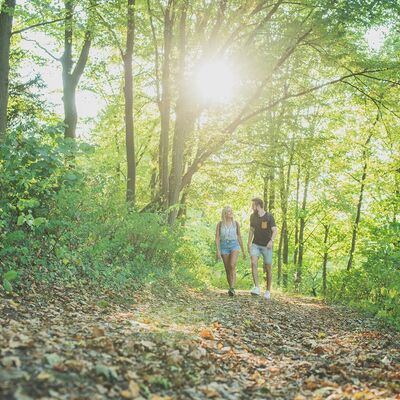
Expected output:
(255, 291)
(267, 295)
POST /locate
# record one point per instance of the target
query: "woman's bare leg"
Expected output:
(225, 259)
(232, 266)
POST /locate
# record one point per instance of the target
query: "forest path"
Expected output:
(192, 345)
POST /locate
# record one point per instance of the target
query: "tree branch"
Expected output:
(113, 34)
(83, 57)
(213, 147)
(36, 25)
(42, 48)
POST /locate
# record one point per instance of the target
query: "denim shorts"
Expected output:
(227, 246)
(258, 251)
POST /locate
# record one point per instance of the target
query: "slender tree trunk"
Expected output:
(128, 93)
(325, 259)
(72, 76)
(285, 206)
(279, 255)
(271, 205)
(296, 231)
(183, 208)
(283, 227)
(165, 104)
(265, 195)
(359, 204)
(6, 21)
(284, 195)
(185, 119)
(301, 231)
(397, 195)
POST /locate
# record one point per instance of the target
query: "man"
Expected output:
(262, 233)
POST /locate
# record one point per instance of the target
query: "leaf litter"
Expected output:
(192, 345)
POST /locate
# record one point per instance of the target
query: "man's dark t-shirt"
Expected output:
(262, 228)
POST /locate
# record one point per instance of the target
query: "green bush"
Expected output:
(375, 285)
(62, 223)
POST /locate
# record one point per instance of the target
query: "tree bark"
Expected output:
(296, 231)
(185, 118)
(265, 195)
(6, 21)
(128, 94)
(325, 258)
(165, 103)
(279, 255)
(359, 203)
(301, 231)
(72, 76)
(285, 187)
(272, 184)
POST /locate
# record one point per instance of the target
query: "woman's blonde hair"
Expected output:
(223, 213)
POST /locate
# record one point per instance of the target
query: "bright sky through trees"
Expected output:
(214, 81)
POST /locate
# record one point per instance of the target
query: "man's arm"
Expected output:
(274, 233)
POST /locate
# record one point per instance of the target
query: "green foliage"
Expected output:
(375, 285)
(57, 223)
(8, 277)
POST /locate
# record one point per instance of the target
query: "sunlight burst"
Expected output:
(215, 81)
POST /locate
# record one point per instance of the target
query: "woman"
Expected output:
(229, 242)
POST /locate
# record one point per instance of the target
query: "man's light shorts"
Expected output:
(258, 251)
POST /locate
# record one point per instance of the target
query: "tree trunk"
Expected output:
(128, 94)
(301, 232)
(359, 204)
(279, 255)
(285, 207)
(284, 195)
(165, 104)
(6, 21)
(72, 76)
(183, 208)
(271, 205)
(325, 259)
(185, 118)
(265, 195)
(296, 231)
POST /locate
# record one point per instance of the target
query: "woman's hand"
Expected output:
(218, 255)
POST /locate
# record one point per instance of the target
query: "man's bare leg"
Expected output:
(268, 275)
(254, 269)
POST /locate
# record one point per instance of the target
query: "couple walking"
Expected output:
(262, 233)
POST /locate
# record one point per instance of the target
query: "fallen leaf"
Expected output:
(98, 331)
(45, 376)
(132, 391)
(11, 361)
(206, 334)
(198, 353)
(107, 372)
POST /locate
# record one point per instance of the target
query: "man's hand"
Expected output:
(269, 245)
(248, 248)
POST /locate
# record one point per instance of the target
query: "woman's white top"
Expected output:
(228, 232)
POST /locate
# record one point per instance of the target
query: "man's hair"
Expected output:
(258, 202)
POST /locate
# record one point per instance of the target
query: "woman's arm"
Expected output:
(239, 236)
(217, 242)
(251, 235)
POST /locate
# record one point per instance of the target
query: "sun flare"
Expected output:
(215, 81)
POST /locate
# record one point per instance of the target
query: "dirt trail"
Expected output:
(194, 345)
